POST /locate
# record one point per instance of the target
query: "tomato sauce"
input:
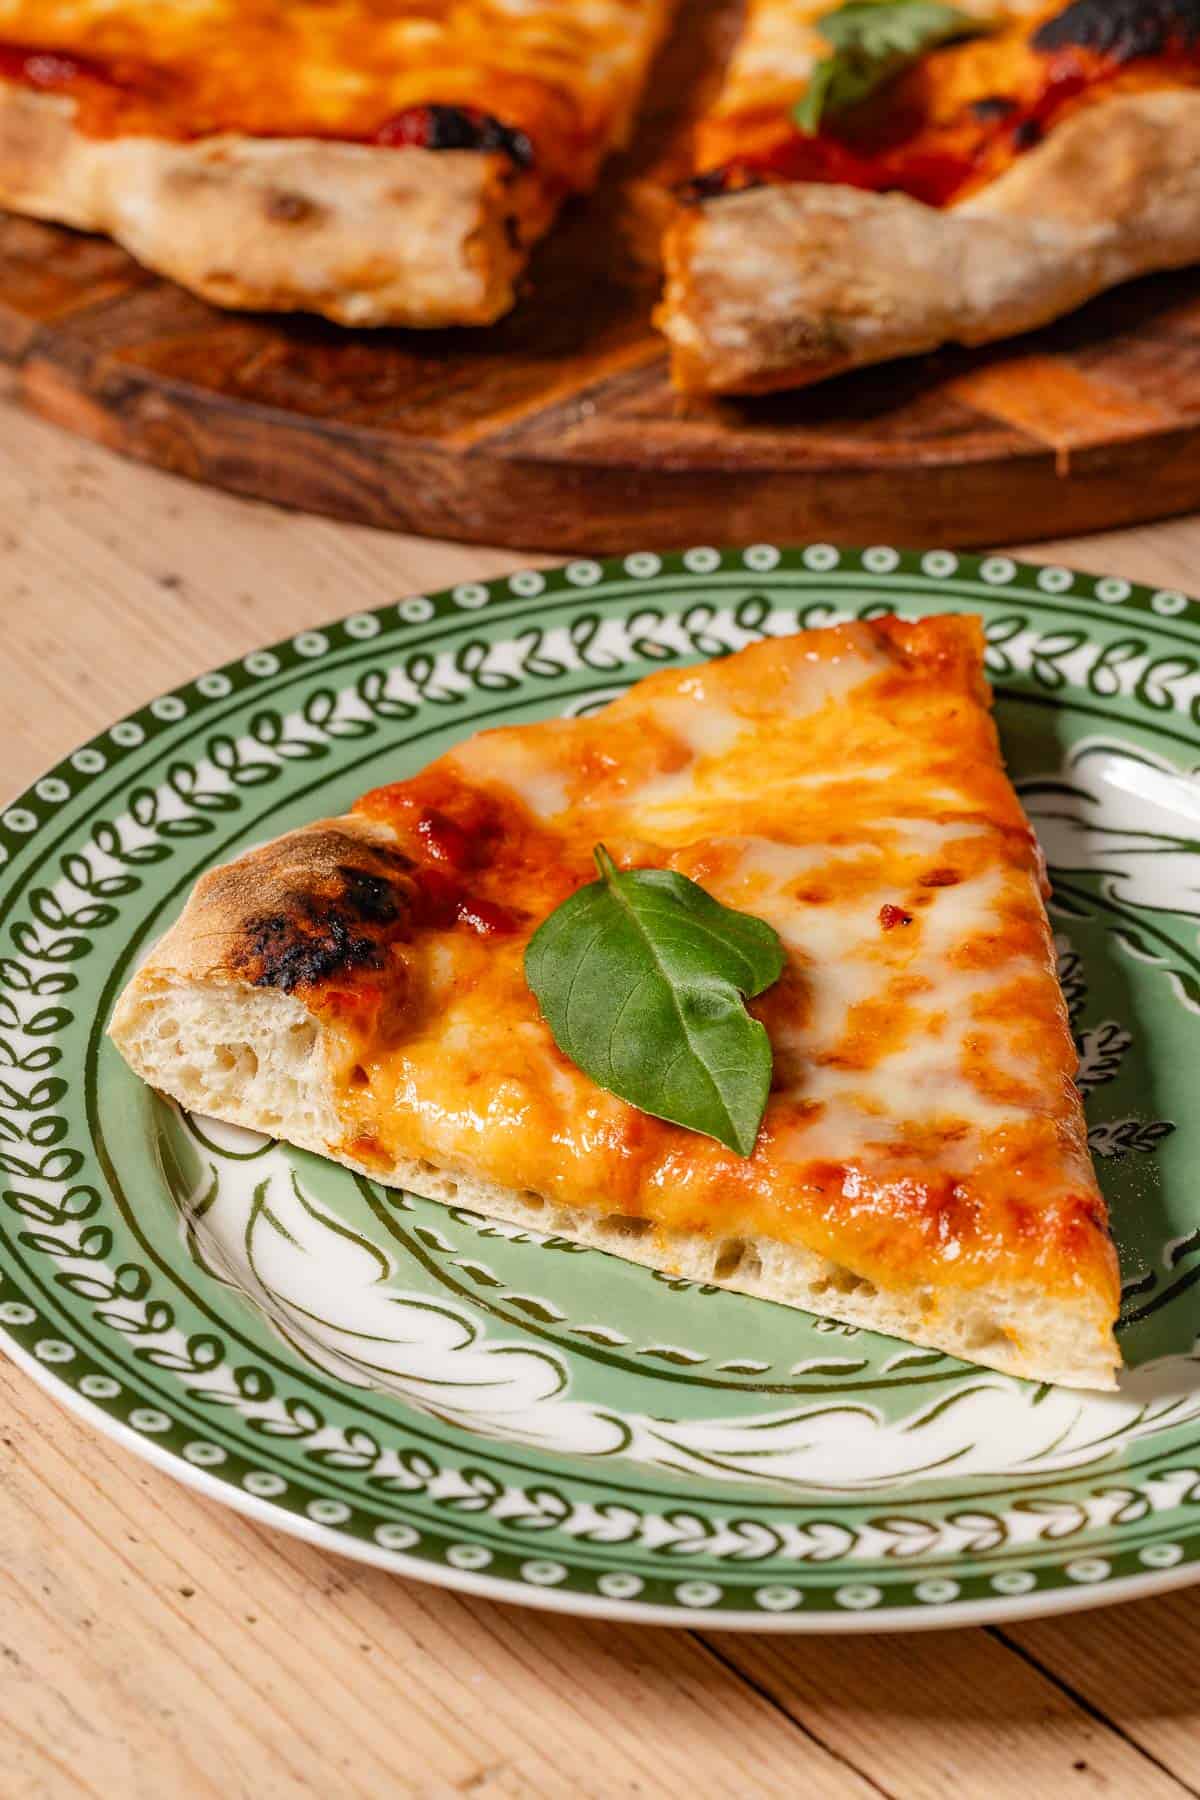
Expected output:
(105, 88)
(893, 147)
(47, 69)
(466, 843)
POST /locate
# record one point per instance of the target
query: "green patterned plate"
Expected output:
(473, 1404)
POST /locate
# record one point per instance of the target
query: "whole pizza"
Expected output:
(871, 179)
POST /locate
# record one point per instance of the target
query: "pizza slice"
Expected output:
(359, 988)
(383, 162)
(884, 177)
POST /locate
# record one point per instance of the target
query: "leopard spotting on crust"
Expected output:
(330, 918)
(1123, 29)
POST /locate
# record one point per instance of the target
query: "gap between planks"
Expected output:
(200, 1634)
(1079, 1699)
(715, 1648)
(933, 1715)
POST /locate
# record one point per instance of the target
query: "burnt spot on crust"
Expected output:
(306, 946)
(328, 906)
(455, 128)
(372, 899)
(992, 107)
(712, 184)
(1123, 29)
(283, 206)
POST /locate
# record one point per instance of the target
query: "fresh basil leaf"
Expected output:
(873, 42)
(910, 26)
(641, 977)
(820, 96)
(839, 83)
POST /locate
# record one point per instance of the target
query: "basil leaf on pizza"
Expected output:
(873, 42)
(642, 978)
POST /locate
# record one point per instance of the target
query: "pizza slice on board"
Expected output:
(359, 988)
(883, 177)
(382, 164)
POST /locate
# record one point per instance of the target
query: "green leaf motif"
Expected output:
(873, 42)
(642, 978)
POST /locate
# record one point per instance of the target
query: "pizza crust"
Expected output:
(365, 236)
(195, 1028)
(779, 286)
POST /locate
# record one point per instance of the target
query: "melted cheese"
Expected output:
(567, 74)
(923, 1118)
(920, 133)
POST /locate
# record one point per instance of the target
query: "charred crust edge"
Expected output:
(330, 907)
(458, 128)
(1123, 29)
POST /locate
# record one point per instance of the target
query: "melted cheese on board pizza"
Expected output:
(957, 119)
(538, 78)
(844, 785)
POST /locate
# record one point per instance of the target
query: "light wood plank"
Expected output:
(1165, 555)
(943, 1715)
(122, 582)
(155, 1644)
(1135, 1664)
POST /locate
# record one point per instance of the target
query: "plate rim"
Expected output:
(1003, 1609)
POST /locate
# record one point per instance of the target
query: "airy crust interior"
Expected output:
(256, 1057)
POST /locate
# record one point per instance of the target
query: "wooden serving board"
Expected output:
(558, 429)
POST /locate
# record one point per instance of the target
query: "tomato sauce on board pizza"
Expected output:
(881, 177)
(961, 114)
(442, 74)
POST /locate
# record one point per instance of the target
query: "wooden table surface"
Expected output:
(154, 1645)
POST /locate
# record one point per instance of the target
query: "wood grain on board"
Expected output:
(557, 429)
